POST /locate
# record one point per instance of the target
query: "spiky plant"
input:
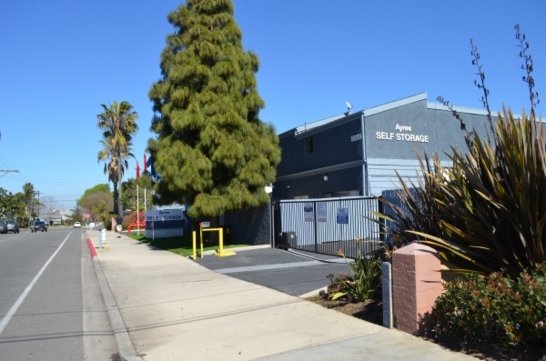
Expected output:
(492, 211)
(417, 209)
(489, 214)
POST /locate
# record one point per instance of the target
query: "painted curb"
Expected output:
(91, 248)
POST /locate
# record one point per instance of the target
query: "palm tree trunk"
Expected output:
(120, 205)
(116, 197)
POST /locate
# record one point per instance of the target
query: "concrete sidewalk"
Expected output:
(166, 307)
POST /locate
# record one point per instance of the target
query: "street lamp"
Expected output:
(269, 190)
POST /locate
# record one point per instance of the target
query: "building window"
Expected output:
(309, 144)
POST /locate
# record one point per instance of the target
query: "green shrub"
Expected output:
(363, 284)
(493, 310)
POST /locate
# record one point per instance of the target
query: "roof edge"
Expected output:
(308, 126)
(468, 110)
(395, 104)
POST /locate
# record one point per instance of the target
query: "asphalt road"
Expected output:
(294, 273)
(50, 304)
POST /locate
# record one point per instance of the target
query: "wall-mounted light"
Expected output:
(325, 178)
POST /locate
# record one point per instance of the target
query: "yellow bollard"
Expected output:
(194, 245)
(201, 237)
(201, 241)
(220, 252)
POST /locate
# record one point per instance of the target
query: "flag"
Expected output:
(137, 171)
(147, 162)
(151, 165)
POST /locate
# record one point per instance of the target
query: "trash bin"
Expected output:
(287, 240)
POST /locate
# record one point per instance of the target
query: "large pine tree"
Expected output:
(211, 150)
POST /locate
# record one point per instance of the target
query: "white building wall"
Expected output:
(382, 173)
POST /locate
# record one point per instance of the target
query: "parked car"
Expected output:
(3, 227)
(38, 226)
(77, 225)
(12, 226)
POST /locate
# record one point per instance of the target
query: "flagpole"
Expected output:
(137, 198)
(145, 200)
(137, 210)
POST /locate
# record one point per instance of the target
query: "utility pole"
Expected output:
(38, 204)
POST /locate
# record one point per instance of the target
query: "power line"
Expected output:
(3, 172)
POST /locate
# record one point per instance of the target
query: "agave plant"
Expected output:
(489, 214)
(363, 284)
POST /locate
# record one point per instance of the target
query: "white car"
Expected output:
(77, 225)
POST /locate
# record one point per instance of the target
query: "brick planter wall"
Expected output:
(416, 283)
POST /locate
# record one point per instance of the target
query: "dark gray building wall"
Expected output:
(384, 132)
(365, 159)
(330, 145)
(396, 136)
(390, 134)
(249, 226)
(320, 185)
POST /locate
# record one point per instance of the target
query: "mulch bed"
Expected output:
(370, 311)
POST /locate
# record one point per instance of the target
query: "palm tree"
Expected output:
(115, 166)
(118, 124)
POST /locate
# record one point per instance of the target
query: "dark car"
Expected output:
(3, 227)
(12, 226)
(38, 226)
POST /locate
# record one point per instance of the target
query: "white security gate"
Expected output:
(337, 226)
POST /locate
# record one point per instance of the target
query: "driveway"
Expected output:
(292, 272)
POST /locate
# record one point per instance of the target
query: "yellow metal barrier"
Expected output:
(220, 252)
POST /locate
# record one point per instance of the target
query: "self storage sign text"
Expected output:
(402, 133)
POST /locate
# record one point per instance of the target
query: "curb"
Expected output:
(91, 248)
(313, 293)
(126, 349)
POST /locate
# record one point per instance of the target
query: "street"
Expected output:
(50, 305)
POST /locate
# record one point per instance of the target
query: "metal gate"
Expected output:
(335, 226)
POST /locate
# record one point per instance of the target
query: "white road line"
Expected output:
(7, 318)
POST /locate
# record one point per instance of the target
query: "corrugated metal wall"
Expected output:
(382, 173)
(345, 225)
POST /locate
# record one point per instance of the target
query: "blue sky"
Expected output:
(61, 59)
